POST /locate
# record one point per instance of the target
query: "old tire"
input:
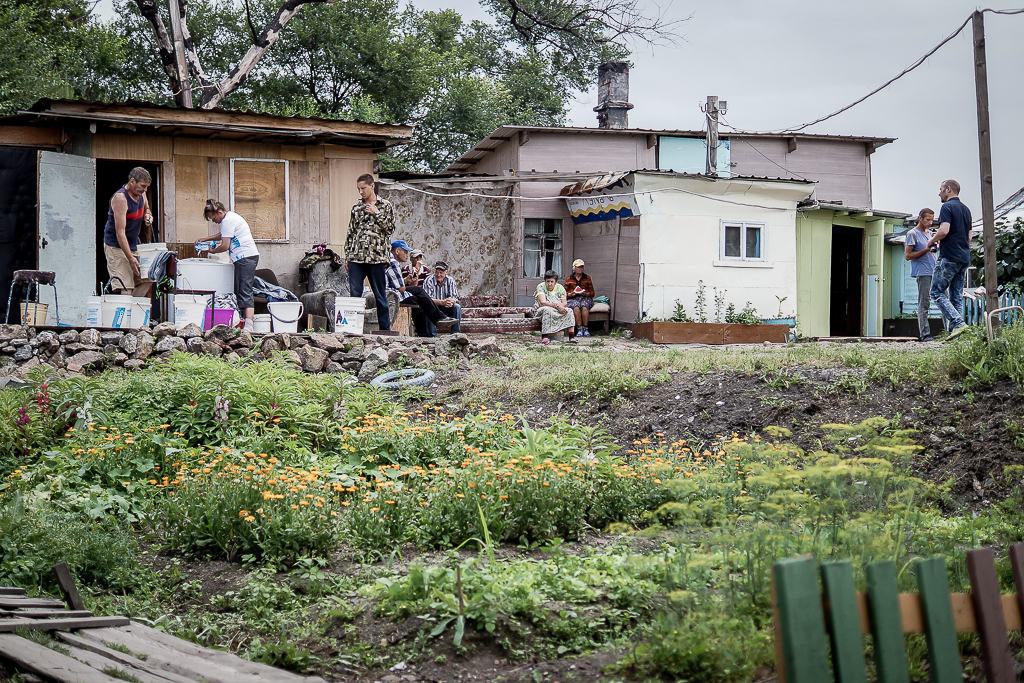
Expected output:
(417, 377)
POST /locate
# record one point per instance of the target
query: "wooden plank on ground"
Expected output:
(939, 627)
(1017, 563)
(67, 586)
(844, 623)
(8, 625)
(190, 660)
(17, 602)
(886, 625)
(11, 590)
(988, 610)
(99, 656)
(48, 663)
(801, 621)
(46, 613)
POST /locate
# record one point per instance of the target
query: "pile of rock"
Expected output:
(71, 351)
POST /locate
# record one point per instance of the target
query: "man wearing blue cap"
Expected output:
(428, 310)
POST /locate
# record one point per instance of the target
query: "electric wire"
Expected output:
(880, 88)
(504, 197)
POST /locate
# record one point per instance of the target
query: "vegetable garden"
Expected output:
(319, 525)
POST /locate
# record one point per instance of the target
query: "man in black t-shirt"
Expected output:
(953, 237)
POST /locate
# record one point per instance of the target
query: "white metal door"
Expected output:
(67, 232)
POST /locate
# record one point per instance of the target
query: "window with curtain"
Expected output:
(542, 246)
(742, 241)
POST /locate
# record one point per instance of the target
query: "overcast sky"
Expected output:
(780, 63)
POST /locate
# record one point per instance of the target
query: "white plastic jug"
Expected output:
(349, 312)
(286, 315)
(140, 311)
(94, 311)
(261, 323)
(117, 311)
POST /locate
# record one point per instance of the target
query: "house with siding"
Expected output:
(292, 178)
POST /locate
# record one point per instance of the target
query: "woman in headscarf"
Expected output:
(555, 315)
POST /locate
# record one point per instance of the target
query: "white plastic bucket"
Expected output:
(286, 315)
(146, 253)
(190, 308)
(206, 274)
(349, 312)
(261, 323)
(140, 311)
(117, 311)
(94, 311)
(33, 313)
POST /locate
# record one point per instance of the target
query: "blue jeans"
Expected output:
(450, 311)
(949, 276)
(378, 283)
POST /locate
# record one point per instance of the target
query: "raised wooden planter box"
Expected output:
(710, 333)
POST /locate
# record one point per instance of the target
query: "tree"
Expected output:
(572, 33)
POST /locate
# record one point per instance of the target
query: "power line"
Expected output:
(880, 88)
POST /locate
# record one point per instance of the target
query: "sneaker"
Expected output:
(926, 339)
(247, 326)
(545, 340)
(584, 332)
(446, 322)
(956, 333)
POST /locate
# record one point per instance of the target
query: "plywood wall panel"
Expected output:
(260, 198)
(226, 148)
(191, 179)
(132, 147)
(342, 174)
(168, 229)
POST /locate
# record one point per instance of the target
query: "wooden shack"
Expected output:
(292, 178)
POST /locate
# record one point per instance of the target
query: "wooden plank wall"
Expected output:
(322, 181)
(190, 193)
(597, 244)
(627, 277)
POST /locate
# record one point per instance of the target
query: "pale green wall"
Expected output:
(814, 266)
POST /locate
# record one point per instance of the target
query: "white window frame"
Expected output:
(287, 197)
(742, 259)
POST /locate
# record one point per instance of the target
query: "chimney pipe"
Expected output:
(613, 95)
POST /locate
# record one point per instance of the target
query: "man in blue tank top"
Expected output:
(128, 210)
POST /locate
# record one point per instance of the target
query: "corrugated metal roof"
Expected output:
(836, 206)
(495, 139)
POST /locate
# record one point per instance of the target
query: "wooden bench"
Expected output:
(811, 620)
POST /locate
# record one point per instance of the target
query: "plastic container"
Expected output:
(190, 308)
(146, 253)
(206, 274)
(117, 311)
(286, 315)
(349, 314)
(33, 313)
(219, 316)
(140, 311)
(94, 311)
(261, 323)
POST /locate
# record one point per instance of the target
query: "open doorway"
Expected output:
(110, 177)
(847, 276)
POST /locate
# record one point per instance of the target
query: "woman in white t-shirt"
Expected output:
(235, 237)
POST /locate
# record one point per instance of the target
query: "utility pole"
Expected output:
(985, 154)
(712, 158)
(177, 35)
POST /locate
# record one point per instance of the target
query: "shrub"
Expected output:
(100, 553)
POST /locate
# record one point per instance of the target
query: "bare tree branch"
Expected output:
(149, 10)
(568, 26)
(215, 92)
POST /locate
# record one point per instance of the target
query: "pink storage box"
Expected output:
(220, 316)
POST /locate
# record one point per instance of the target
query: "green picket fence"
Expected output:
(815, 620)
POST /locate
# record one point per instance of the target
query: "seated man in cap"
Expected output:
(430, 317)
(415, 271)
(442, 291)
